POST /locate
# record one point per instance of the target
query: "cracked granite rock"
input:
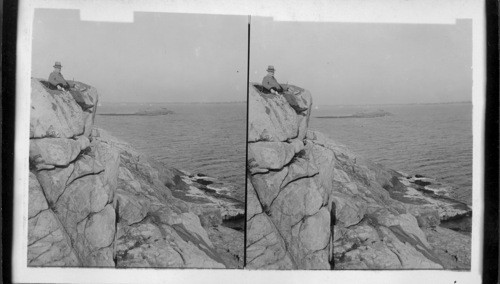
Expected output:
(96, 202)
(314, 204)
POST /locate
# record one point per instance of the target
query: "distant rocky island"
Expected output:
(314, 204)
(95, 201)
(363, 114)
(146, 112)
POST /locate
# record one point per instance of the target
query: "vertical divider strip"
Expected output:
(246, 153)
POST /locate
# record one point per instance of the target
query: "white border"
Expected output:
(382, 11)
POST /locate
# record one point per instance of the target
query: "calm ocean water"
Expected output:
(199, 138)
(434, 140)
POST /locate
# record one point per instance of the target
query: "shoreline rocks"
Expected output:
(314, 204)
(426, 194)
(209, 198)
(94, 201)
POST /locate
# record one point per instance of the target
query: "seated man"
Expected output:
(270, 84)
(56, 79)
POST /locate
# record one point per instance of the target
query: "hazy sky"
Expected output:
(358, 63)
(160, 57)
(166, 57)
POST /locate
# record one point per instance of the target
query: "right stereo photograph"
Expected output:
(359, 146)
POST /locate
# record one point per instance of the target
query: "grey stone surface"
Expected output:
(321, 206)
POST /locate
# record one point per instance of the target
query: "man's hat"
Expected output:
(270, 68)
(58, 64)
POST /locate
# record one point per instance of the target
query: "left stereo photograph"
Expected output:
(137, 151)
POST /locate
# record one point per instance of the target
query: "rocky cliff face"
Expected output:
(313, 204)
(95, 201)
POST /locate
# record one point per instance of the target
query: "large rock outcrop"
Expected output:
(313, 204)
(95, 201)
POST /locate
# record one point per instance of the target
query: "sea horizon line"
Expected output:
(389, 104)
(146, 103)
